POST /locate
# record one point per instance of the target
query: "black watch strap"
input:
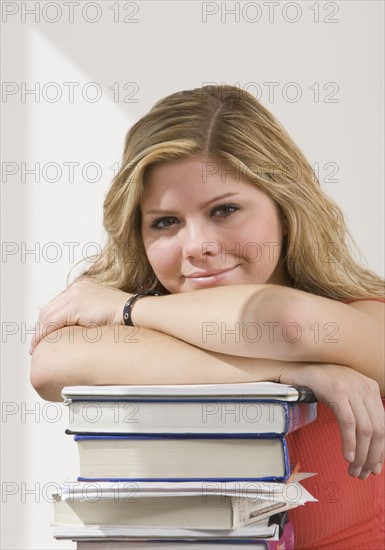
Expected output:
(127, 310)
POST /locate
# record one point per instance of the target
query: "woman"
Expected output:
(217, 209)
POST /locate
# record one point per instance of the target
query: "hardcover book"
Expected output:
(286, 542)
(214, 457)
(132, 504)
(184, 416)
(256, 390)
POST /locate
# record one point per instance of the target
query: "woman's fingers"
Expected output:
(358, 409)
(363, 436)
(374, 459)
(49, 320)
(58, 313)
(347, 424)
(361, 420)
(82, 303)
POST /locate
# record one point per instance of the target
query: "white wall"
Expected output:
(171, 46)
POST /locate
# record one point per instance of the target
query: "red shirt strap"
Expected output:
(349, 301)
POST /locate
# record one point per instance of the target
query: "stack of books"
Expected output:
(183, 466)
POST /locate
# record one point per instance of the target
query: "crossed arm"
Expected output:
(251, 334)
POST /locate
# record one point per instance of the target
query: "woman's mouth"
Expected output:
(202, 278)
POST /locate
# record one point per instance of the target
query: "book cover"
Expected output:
(269, 390)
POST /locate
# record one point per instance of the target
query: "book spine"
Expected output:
(298, 415)
(286, 542)
(305, 394)
(286, 459)
(267, 479)
(162, 436)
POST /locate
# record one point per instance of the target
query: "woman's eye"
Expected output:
(225, 210)
(163, 223)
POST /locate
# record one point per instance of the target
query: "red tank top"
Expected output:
(350, 512)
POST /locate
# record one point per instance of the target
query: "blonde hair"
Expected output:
(229, 125)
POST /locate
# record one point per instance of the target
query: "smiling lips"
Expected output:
(202, 277)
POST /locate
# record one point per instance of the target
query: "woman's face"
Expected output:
(203, 226)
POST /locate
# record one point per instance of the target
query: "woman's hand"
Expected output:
(84, 302)
(356, 402)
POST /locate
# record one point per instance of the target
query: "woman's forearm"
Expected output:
(238, 320)
(125, 355)
(270, 322)
(257, 321)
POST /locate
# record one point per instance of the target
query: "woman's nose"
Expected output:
(198, 242)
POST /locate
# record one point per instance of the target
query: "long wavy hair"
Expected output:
(229, 125)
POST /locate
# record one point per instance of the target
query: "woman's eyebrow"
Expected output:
(203, 205)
